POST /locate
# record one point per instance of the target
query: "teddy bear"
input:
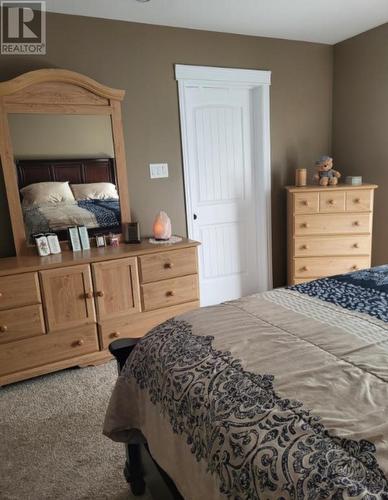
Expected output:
(326, 174)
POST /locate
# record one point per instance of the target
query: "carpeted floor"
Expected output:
(51, 445)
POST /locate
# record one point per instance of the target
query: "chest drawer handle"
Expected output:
(354, 268)
(356, 223)
(357, 200)
(79, 343)
(88, 295)
(304, 247)
(305, 203)
(1, 295)
(100, 293)
(331, 202)
(304, 268)
(3, 328)
(305, 225)
(356, 245)
(170, 293)
(168, 265)
(115, 335)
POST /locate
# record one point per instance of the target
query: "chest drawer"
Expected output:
(332, 224)
(359, 201)
(306, 203)
(38, 351)
(170, 292)
(333, 201)
(164, 265)
(19, 290)
(316, 267)
(306, 246)
(20, 323)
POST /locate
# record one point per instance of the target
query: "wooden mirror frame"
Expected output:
(57, 91)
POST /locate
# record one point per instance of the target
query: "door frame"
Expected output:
(258, 82)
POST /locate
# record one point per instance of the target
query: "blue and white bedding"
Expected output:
(280, 395)
(60, 216)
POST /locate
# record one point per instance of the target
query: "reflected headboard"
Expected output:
(83, 171)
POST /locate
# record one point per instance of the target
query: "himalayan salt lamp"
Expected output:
(162, 226)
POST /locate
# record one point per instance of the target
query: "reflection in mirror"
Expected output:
(66, 173)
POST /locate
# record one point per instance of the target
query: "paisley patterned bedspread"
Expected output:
(280, 395)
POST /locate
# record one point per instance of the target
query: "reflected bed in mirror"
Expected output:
(56, 194)
(66, 173)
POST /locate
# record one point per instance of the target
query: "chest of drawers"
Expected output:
(329, 230)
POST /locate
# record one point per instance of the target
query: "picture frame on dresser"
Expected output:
(329, 230)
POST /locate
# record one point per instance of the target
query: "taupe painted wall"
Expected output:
(140, 59)
(61, 136)
(360, 120)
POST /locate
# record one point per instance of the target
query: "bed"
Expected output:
(98, 215)
(280, 395)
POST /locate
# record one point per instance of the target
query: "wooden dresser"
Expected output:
(64, 310)
(329, 230)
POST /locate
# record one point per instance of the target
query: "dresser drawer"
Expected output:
(333, 201)
(306, 203)
(164, 265)
(38, 351)
(332, 224)
(315, 267)
(359, 201)
(332, 245)
(20, 323)
(169, 292)
(137, 325)
(19, 290)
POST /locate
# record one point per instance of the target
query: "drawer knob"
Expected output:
(3, 328)
(100, 293)
(168, 265)
(304, 224)
(356, 245)
(1, 294)
(170, 293)
(115, 335)
(79, 343)
(357, 200)
(331, 202)
(305, 203)
(304, 247)
(88, 295)
(304, 268)
(354, 268)
(356, 223)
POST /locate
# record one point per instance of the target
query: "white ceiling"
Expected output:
(326, 21)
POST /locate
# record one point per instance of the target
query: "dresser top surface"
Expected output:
(338, 187)
(28, 263)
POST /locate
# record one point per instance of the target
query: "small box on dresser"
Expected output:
(329, 230)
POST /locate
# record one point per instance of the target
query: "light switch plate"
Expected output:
(158, 170)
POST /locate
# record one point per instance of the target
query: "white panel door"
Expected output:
(221, 186)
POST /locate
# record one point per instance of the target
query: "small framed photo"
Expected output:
(114, 240)
(84, 237)
(42, 245)
(100, 240)
(74, 239)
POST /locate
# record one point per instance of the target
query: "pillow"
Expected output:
(95, 191)
(41, 193)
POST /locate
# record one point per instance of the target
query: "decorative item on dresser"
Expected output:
(64, 310)
(329, 230)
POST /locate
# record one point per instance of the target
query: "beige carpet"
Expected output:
(51, 446)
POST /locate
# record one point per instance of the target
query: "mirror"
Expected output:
(66, 173)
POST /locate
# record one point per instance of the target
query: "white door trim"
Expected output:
(258, 81)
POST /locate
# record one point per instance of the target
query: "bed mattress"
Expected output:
(280, 395)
